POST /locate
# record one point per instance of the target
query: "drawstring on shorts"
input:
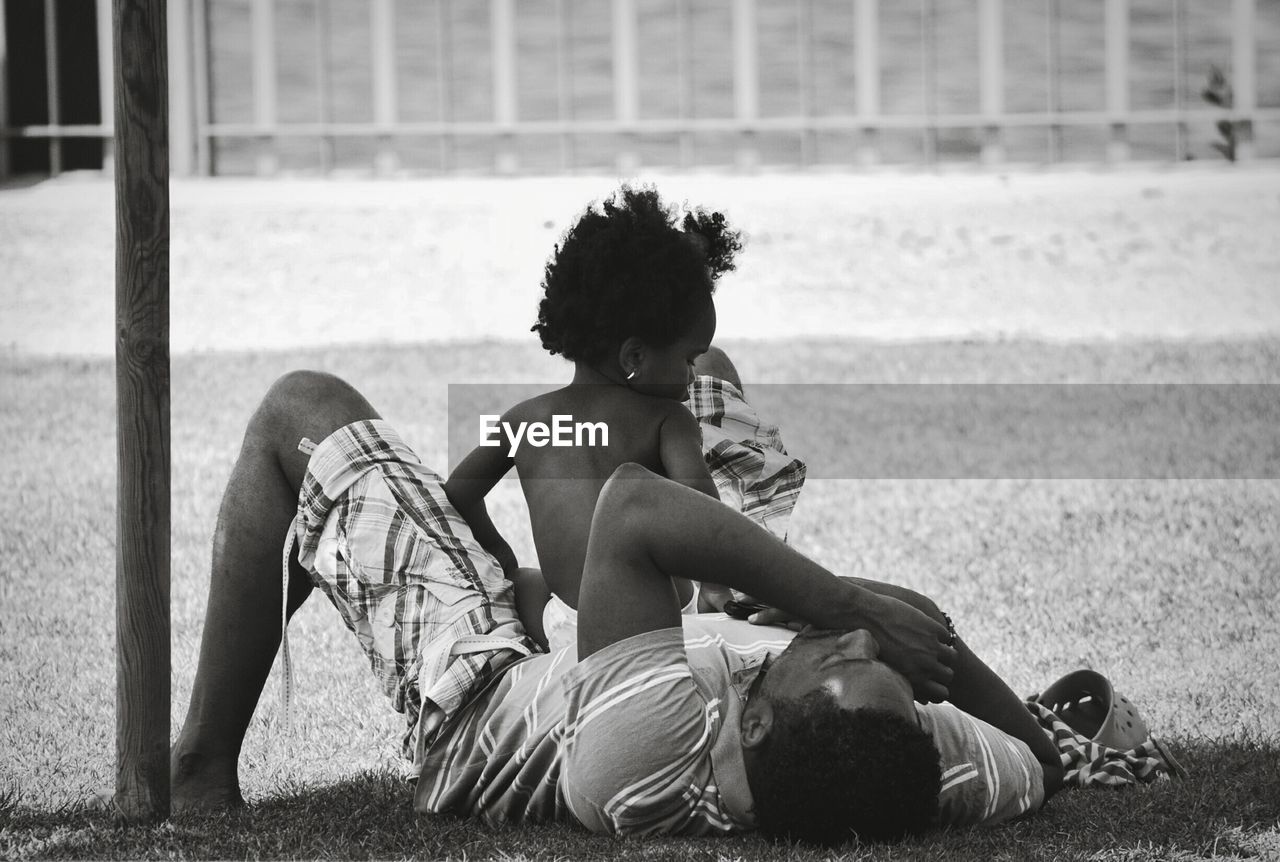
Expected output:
(306, 447)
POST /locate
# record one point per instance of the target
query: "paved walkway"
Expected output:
(1053, 255)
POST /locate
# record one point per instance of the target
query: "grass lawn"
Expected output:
(1168, 586)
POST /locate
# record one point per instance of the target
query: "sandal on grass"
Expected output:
(1086, 701)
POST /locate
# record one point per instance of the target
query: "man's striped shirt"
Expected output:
(642, 738)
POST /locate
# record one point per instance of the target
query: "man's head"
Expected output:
(833, 746)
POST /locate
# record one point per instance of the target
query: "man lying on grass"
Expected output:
(716, 727)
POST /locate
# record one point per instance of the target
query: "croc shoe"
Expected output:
(1085, 700)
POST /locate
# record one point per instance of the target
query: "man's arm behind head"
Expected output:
(647, 530)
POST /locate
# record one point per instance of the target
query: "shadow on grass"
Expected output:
(1229, 805)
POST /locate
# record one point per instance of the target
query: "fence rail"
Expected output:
(197, 134)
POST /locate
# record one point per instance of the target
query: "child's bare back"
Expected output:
(562, 483)
(628, 299)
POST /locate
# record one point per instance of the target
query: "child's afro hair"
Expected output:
(631, 267)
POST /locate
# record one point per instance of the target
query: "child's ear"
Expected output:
(631, 355)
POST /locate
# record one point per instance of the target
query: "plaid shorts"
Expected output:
(751, 468)
(431, 609)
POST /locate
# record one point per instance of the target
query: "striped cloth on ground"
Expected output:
(1091, 764)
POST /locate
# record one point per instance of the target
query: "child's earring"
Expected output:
(631, 375)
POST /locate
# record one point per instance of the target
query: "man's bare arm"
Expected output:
(647, 530)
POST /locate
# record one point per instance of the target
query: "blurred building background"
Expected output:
(312, 87)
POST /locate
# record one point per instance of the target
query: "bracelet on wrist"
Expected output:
(951, 631)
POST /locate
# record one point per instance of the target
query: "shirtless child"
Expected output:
(628, 301)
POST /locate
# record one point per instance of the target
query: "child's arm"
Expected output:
(466, 490)
(680, 449)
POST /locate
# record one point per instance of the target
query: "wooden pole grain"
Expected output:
(142, 409)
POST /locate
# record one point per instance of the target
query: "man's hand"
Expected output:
(911, 642)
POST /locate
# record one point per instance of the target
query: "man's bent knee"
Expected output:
(306, 392)
(627, 496)
(303, 404)
(309, 404)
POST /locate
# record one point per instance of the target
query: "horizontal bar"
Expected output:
(730, 124)
(85, 131)
(674, 125)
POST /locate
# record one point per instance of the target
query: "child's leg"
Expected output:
(242, 621)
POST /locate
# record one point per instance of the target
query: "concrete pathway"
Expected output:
(1189, 253)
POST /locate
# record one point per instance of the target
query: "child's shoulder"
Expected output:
(598, 402)
(540, 406)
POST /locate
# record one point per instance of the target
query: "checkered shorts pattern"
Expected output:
(430, 607)
(750, 466)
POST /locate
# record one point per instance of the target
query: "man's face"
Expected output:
(845, 664)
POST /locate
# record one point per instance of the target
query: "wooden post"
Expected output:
(444, 56)
(142, 409)
(1179, 78)
(1117, 45)
(201, 74)
(626, 82)
(564, 89)
(182, 127)
(746, 81)
(991, 79)
(804, 78)
(503, 39)
(4, 100)
(385, 110)
(866, 44)
(1053, 73)
(324, 85)
(105, 75)
(51, 85)
(684, 79)
(262, 22)
(929, 78)
(1244, 73)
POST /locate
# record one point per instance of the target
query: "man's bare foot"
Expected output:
(203, 785)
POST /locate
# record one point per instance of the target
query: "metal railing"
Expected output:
(196, 133)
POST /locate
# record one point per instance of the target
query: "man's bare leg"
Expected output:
(242, 621)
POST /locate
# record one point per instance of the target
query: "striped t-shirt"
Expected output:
(642, 738)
